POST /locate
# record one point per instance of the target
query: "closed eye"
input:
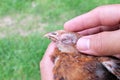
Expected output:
(53, 33)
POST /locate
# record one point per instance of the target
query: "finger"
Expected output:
(101, 16)
(45, 62)
(49, 50)
(118, 56)
(98, 29)
(105, 43)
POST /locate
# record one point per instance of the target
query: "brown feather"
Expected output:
(70, 64)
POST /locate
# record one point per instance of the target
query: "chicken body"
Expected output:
(70, 64)
(79, 67)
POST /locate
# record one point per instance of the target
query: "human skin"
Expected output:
(100, 28)
(46, 64)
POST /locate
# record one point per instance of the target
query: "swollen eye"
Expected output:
(53, 33)
(68, 39)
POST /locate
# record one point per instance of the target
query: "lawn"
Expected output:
(22, 26)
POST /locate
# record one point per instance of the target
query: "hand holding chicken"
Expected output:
(70, 64)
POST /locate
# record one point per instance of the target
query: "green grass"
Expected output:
(19, 57)
(21, 42)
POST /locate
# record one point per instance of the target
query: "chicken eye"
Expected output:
(54, 33)
(68, 39)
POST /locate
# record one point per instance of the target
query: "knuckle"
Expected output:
(98, 43)
(41, 64)
(100, 7)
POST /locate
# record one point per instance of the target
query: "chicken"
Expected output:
(70, 64)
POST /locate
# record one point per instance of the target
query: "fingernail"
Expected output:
(83, 44)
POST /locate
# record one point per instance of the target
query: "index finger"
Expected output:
(101, 16)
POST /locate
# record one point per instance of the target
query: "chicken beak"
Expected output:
(52, 36)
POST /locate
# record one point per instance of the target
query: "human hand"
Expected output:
(101, 29)
(46, 64)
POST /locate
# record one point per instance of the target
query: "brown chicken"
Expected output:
(69, 64)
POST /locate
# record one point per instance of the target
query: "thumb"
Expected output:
(104, 43)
